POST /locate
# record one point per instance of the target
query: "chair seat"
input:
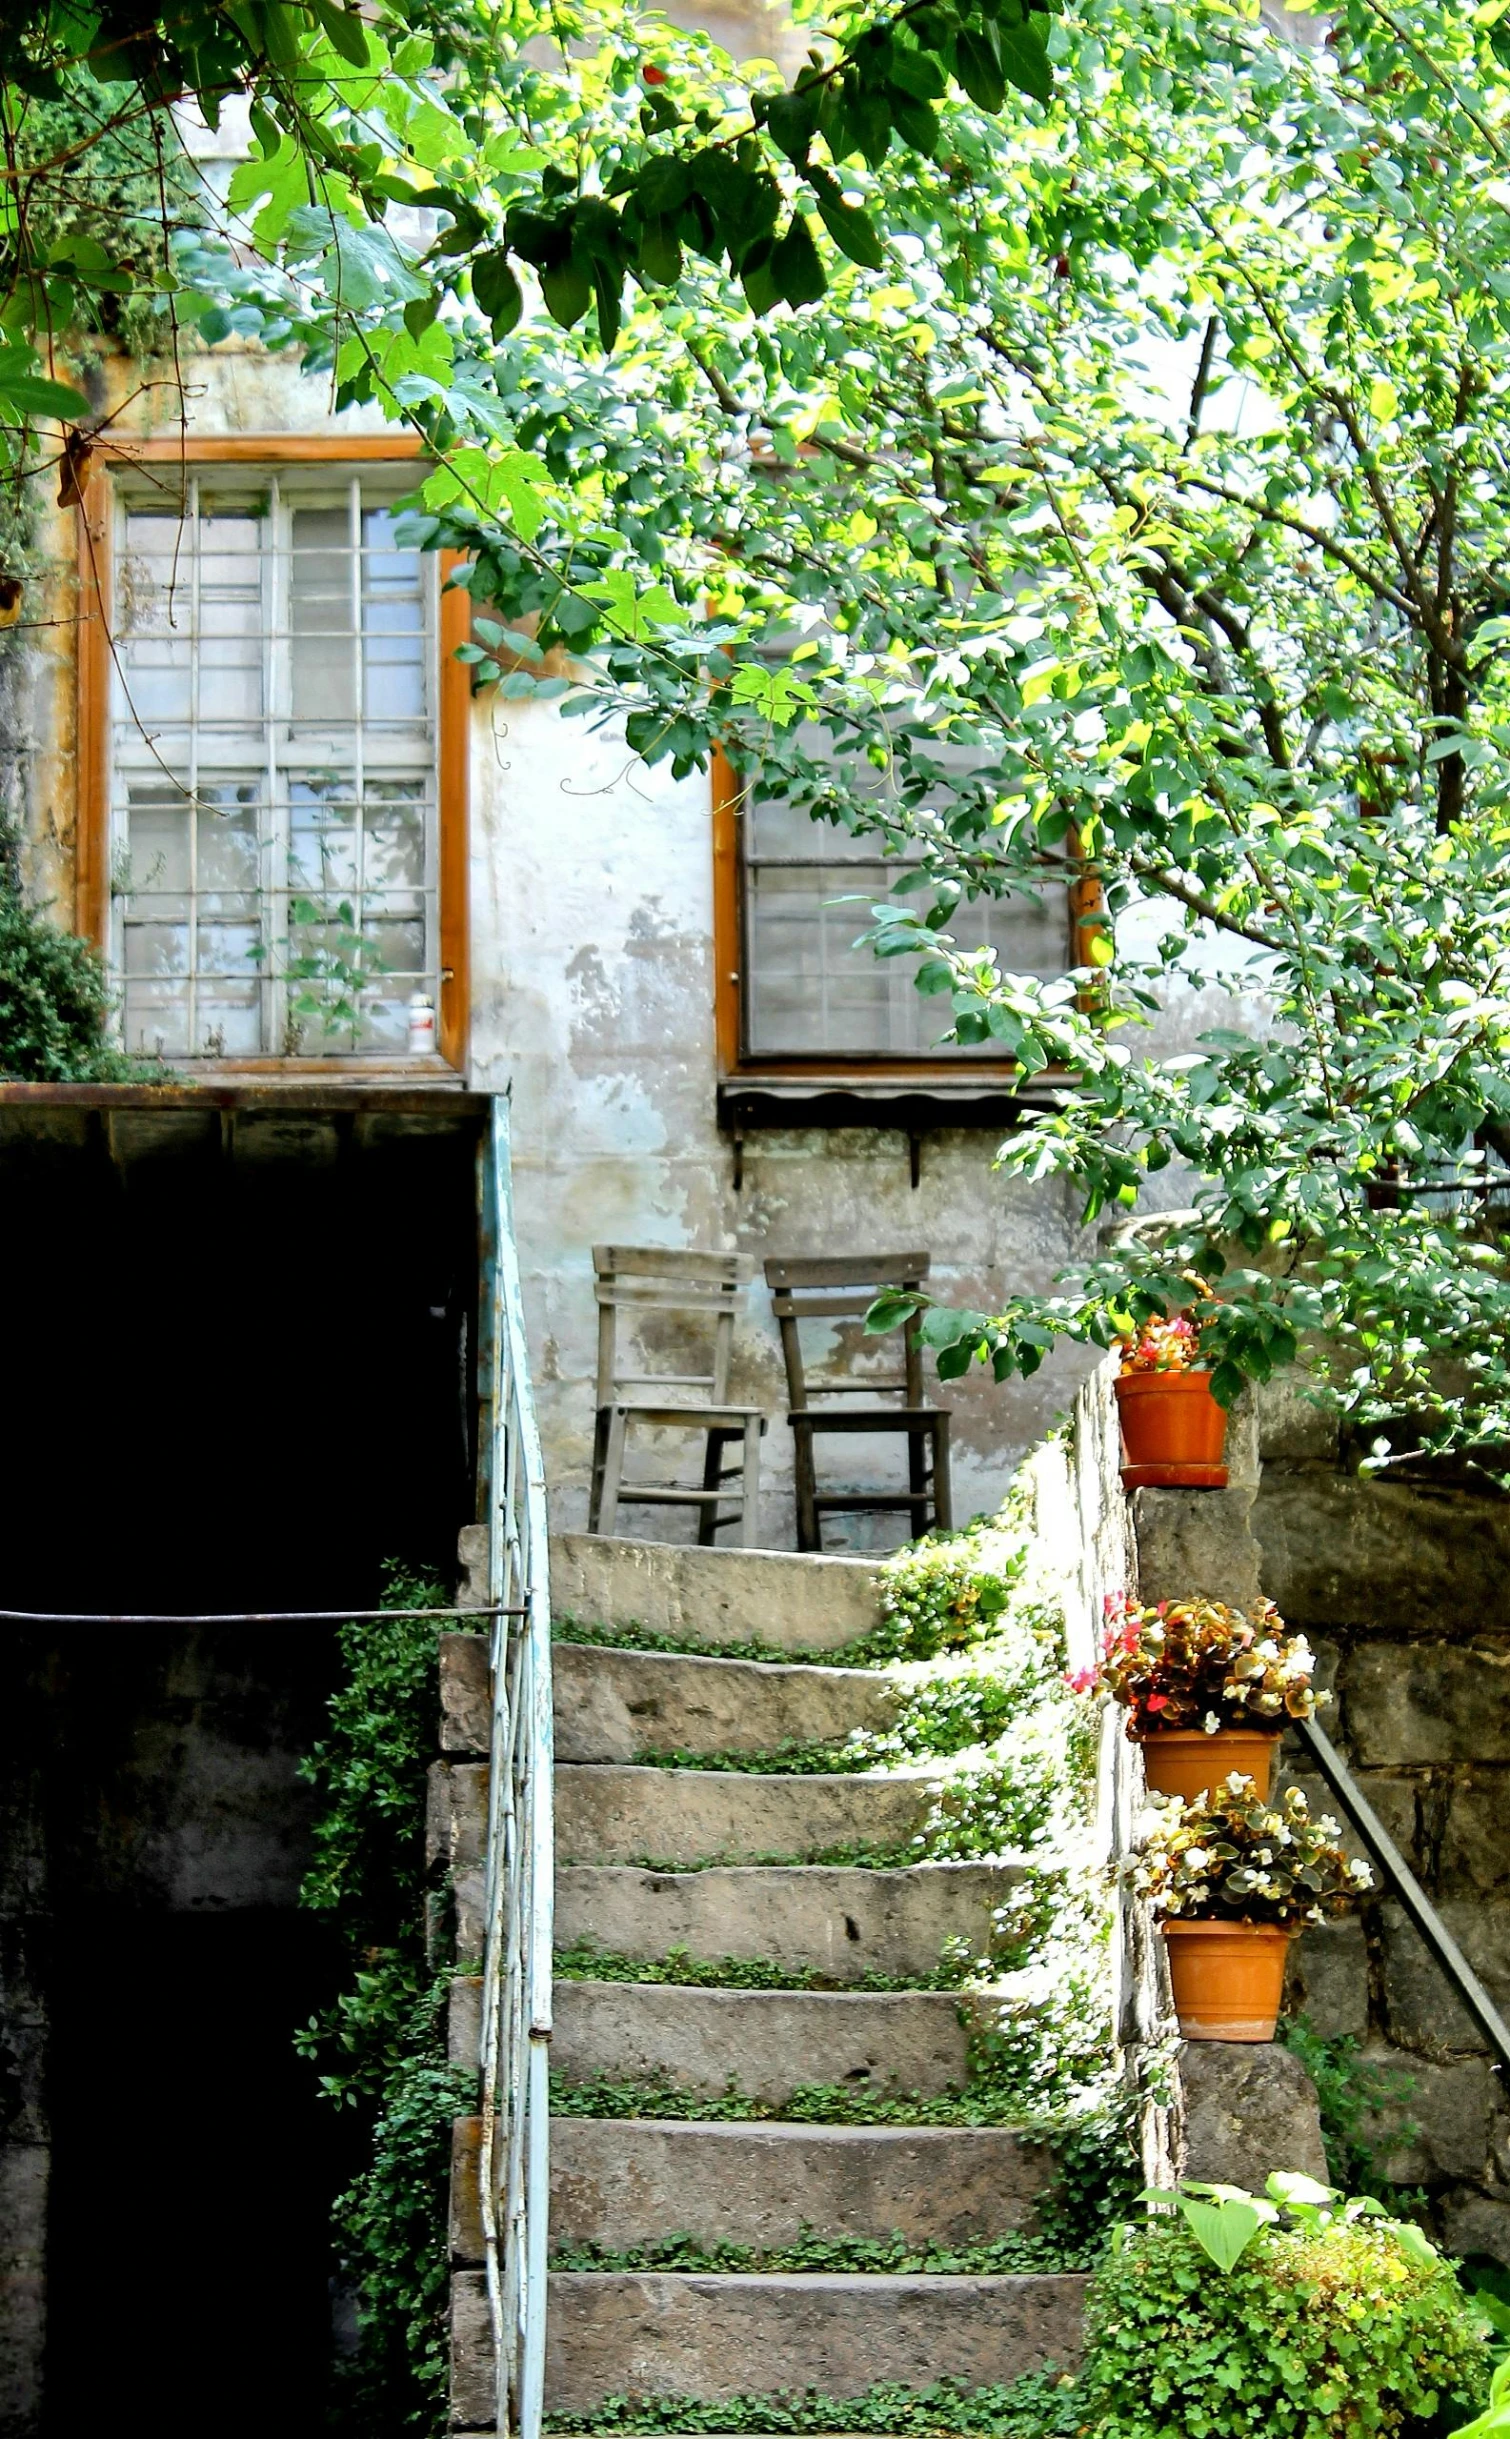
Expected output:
(692, 1418)
(866, 1418)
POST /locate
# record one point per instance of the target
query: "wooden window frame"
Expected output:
(736, 1064)
(453, 710)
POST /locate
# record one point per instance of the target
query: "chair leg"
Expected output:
(943, 1496)
(806, 1484)
(613, 1473)
(749, 1487)
(599, 1447)
(713, 1466)
(917, 1480)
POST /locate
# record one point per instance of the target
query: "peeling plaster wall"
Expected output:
(593, 977)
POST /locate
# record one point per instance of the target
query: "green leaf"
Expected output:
(663, 186)
(795, 266)
(495, 286)
(915, 122)
(33, 394)
(979, 69)
(1024, 59)
(344, 29)
(917, 73)
(889, 1311)
(567, 288)
(608, 288)
(1224, 2228)
(1383, 400)
(852, 232)
(1228, 1382)
(573, 615)
(793, 121)
(659, 254)
(758, 279)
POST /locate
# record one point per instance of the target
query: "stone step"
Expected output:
(842, 1921)
(623, 1814)
(666, 2335)
(614, 1706)
(764, 2042)
(714, 1596)
(623, 2181)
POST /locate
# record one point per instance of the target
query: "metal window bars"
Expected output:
(516, 1987)
(273, 830)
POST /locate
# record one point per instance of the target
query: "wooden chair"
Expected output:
(654, 1279)
(842, 1288)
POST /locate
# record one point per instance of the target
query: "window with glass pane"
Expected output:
(810, 992)
(273, 770)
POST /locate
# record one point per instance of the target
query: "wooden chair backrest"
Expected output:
(842, 1287)
(662, 1279)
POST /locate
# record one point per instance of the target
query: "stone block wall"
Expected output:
(1400, 1586)
(1226, 2111)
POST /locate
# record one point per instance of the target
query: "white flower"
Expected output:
(1358, 1870)
(1211, 1723)
(1197, 1860)
(1266, 1651)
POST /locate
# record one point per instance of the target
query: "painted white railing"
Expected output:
(516, 1984)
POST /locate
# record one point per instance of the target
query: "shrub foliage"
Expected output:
(1331, 2333)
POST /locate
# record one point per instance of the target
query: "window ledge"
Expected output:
(914, 1107)
(915, 1104)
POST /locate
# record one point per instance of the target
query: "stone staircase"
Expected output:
(725, 1864)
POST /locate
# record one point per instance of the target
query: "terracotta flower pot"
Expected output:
(1183, 1761)
(1228, 1978)
(1173, 1431)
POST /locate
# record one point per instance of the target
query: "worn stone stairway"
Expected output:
(655, 1858)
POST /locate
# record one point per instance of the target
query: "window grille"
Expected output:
(273, 847)
(809, 991)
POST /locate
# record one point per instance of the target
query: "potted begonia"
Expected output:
(1232, 1879)
(1173, 1430)
(1207, 1689)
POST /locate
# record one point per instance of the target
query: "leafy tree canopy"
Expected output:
(1110, 471)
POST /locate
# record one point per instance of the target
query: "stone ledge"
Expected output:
(842, 1921)
(623, 2181)
(670, 2335)
(799, 1603)
(614, 1706)
(1249, 2108)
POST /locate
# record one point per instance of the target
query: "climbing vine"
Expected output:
(381, 2049)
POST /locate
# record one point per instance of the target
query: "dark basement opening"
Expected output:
(241, 1378)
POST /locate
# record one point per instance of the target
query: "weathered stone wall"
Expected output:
(1398, 1585)
(1401, 1587)
(1227, 2111)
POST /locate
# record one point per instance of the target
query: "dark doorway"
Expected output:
(241, 1378)
(193, 2167)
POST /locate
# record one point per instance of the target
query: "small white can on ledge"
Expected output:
(421, 1026)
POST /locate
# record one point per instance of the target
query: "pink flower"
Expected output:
(1080, 1680)
(1157, 1702)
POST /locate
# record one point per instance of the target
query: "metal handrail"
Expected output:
(1397, 1873)
(514, 2165)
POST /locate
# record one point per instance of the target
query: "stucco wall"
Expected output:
(593, 974)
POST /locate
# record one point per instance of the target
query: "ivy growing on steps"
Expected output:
(586, 1963)
(1040, 2405)
(381, 2049)
(1011, 2256)
(942, 1593)
(972, 1639)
